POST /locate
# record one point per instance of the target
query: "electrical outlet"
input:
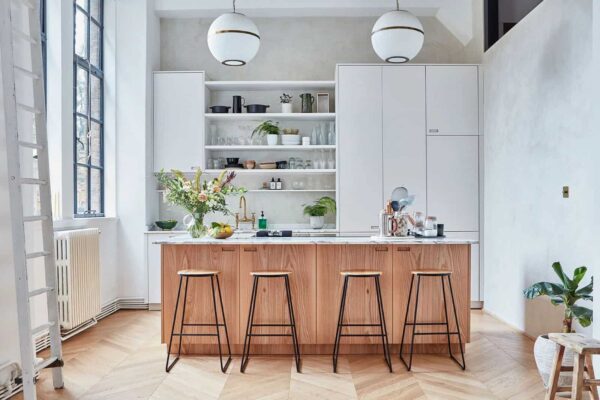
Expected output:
(565, 192)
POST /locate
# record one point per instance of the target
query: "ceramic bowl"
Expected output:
(166, 225)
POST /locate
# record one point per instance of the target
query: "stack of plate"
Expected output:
(290, 139)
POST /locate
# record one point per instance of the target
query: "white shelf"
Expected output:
(291, 191)
(276, 116)
(269, 85)
(272, 171)
(278, 147)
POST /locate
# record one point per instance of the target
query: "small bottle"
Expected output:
(279, 184)
(273, 185)
(262, 221)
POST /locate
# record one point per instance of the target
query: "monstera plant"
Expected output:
(566, 294)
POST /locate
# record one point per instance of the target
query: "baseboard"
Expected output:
(498, 318)
(476, 305)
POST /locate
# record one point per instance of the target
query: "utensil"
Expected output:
(399, 193)
(256, 108)
(238, 102)
(219, 109)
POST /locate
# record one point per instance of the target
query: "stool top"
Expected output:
(270, 273)
(197, 272)
(361, 273)
(432, 272)
(576, 342)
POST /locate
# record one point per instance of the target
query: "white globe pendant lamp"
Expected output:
(397, 36)
(233, 39)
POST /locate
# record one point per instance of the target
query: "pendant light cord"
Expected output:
(397, 5)
(234, 6)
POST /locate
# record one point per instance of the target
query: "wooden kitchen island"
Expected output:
(316, 285)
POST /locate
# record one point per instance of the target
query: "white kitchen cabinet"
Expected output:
(453, 181)
(360, 167)
(178, 120)
(404, 132)
(452, 100)
(153, 264)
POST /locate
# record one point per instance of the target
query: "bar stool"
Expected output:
(214, 276)
(431, 274)
(250, 325)
(382, 326)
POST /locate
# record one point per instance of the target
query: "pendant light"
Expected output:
(397, 36)
(233, 39)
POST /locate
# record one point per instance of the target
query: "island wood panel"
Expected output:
(408, 258)
(199, 309)
(361, 300)
(271, 303)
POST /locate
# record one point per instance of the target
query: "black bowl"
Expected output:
(219, 109)
(233, 160)
(256, 108)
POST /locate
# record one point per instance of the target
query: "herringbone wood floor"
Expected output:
(122, 358)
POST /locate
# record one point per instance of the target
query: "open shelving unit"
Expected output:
(275, 116)
(269, 85)
(270, 148)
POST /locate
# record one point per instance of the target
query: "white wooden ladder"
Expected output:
(22, 85)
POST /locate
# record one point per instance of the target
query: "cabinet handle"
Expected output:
(434, 130)
(403, 248)
(250, 250)
(381, 249)
(227, 249)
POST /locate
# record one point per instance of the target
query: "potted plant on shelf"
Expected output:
(318, 210)
(564, 294)
(286, 103)
(269, 129)
(198, 197)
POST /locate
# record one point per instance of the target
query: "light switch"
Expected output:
(565, 192)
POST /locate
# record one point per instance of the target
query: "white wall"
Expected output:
(538, 137)
(596, 121)
(301, 48)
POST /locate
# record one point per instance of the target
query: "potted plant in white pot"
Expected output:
(564, 294)
(318, 210)
(286, 103)
(269, 129)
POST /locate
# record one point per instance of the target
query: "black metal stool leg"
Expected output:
(446, 315)
(412, 341)
(247, 339)
(383, 327)
(167, 366)
(224, 323)
(217, 325)
(406, 319)
(336, 345)
(462, 353)
(293, 323)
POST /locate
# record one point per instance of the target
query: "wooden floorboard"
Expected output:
(122, 358)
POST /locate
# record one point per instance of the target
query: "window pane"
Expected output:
(95, 45)
(81, 95)
(81, 31)
(95, 145)
(96, 92)
(81, 145)
(82, 189)
(82, 4)
(96, 187)
(95, 9)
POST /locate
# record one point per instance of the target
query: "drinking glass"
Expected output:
(308, 164)
(292, 163)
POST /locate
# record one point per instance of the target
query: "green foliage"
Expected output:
(266, 128)
(321, 207)
(566, 293)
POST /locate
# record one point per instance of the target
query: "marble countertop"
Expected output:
(338, 239)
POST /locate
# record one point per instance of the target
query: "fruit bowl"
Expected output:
(220, 230)
(166, 225)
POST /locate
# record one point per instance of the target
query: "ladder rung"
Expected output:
(50, 362)
(42, 328)
(29, 108)
(37, 254)
(39, 291)
(35, 218)
(26, 72)
(30, 145)
(32, 181)
(24, 36)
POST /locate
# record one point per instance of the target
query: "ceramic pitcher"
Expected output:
(307, 102)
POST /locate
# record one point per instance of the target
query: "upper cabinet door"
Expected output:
(178, 120)
(360, 165)
(452, 100)
(404, 134)
(453, 181)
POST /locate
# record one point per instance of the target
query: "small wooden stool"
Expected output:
(583, 348)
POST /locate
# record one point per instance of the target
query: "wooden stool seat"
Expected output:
(271, 273)
(197, 272)
(583, 349)
(432, 272)
(361, 273)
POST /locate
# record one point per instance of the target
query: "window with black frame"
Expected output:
(88, 109)
(43, 38)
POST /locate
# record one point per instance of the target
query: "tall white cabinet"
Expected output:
(178, 120)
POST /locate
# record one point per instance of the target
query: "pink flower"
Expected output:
(202, 197)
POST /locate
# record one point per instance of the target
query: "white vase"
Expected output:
(272, 140)
(286, 108)
(543, 351)
(317, 222)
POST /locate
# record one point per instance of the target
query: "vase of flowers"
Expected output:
(286, 103)
(198, 197)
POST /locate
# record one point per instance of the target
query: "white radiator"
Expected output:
(78, 273)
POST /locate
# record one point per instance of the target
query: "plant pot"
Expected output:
(272, 140)
(286, 108)
(543, 351)
(317, 222)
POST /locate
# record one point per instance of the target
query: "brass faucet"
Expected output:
(245, 217)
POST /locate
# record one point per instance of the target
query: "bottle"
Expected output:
(272, 185)
(279, 185)
(262, 221)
